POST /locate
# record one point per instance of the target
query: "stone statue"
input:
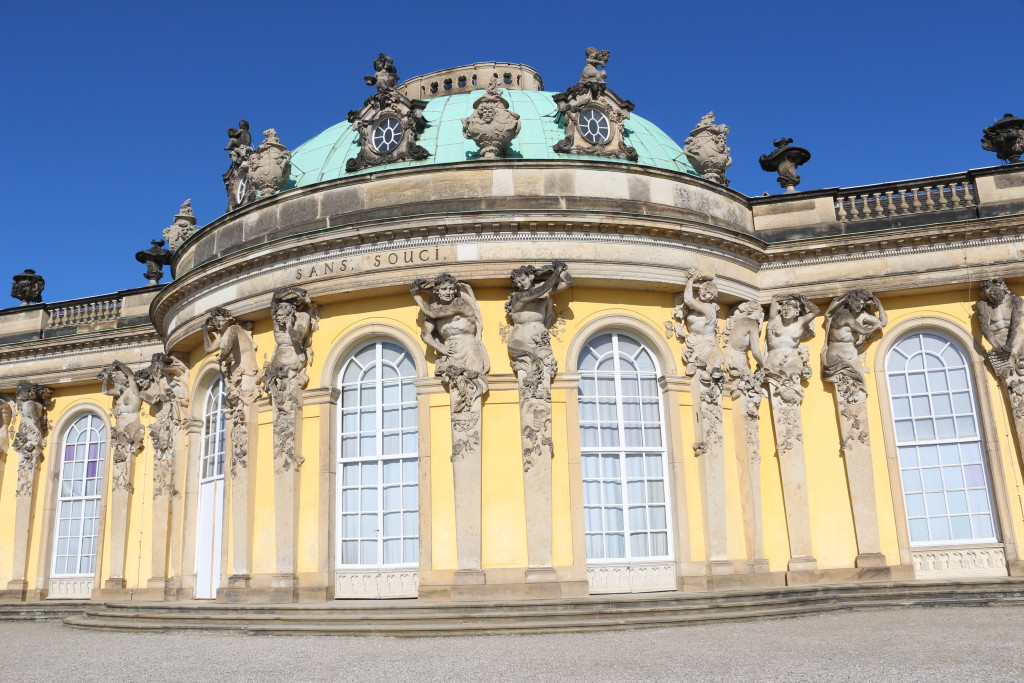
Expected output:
(155, 258)
(28, 287)
(164, 386)
(8, 409)
(532, 312)
(391, 111)
(695, 323)
(295, 318)
(1000, 314)
(595, 58)
(849, 324)
(593, 115)
(784, 160)
(452, 326)
(790, 320)
(707, 151)
(742, 338)
(126, 435)
(1005, 137)
(492, 126)
(33, 402)
(233, 342)
(269, 166)
(236, 179)
(787, 365)
(385, 75)
(239, 137)
(184, 226)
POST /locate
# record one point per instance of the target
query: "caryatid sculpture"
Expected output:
(850, 322)
(532, 313)
(742, 338)
(164, 386)
(1000, 314)
(452, 326)
(295, 318)
(8, 408)
(236, 353)
(33, 402)
(695, 323)
(127, 433)
(787, 365)
(492, 126)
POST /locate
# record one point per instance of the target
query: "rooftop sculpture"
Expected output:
(784, 160)
(492, 126)
(707, 151)
(28, 287)
(1005, 137)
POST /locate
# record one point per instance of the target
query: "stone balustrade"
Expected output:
(84, 312)
(899, 199)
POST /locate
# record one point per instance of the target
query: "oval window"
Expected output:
(387, 135)
(595, 126)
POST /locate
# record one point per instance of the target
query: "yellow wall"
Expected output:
(504, 514)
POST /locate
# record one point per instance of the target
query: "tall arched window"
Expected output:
(78, 502)
(210, 520)
(942, 468)
(378, 484)
(625, 498)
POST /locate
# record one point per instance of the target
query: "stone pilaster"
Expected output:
(789, 442)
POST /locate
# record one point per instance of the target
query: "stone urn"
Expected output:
(1005, 137)
(784, 160)
(707, 151)
(491, 126)
(270, 165)
(28, 287)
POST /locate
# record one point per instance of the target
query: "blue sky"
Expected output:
(115, 112)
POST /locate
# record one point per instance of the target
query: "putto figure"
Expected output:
(385, 75)
(850, 321)
(595, 58)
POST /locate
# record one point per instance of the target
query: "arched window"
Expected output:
(942, 468)
(623, 451)
(378, 485)
(210, 520)
(78, 502)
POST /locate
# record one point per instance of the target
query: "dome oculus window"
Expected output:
(387, 135)
(594, 126)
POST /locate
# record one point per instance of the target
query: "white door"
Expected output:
(208, 537)
(210, 520)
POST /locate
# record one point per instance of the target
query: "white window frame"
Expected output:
(978, 439)
(93, 425)
(213, 443)
(379, 458)
(622, 450)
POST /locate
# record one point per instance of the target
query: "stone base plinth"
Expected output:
(870, 560)
(503, 584)
(849, 575)
(802, 564)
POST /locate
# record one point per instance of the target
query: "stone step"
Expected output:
(582, 614)
(50, 610)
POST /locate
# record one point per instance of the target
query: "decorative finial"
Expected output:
(155, 258)
(28, 287)
(784, 161)
(184, 226)
(1005, 137)
(707, 150)
(492, 125)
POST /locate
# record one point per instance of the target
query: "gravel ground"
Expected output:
(933, 644)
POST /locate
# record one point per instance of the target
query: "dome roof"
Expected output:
(323, 157)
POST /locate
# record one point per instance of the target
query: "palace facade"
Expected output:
(484, 341)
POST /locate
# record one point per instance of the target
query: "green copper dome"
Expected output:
(324, 157)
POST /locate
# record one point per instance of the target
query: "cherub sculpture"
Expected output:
(595, 58)
(385, 75)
